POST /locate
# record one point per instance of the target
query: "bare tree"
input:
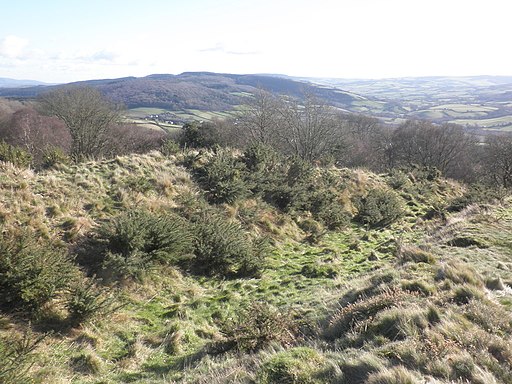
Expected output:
(418, 142)
(362, 141)
(259, 118)
(498, 159)
(87, 115)
(308, 130)
(36, 133)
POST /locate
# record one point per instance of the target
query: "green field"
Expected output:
(138, 115)
(486, 123)
(475, 101)
(143, 111)
(463, 108)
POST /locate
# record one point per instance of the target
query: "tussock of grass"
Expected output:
(356, 370)
(394, 375)
(351, 314)
(296, 365)
(410, 253)
(459, 273)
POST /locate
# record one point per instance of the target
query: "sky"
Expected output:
(69, 40)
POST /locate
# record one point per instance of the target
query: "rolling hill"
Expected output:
(196, 90)
(480, 103)
(13, 83)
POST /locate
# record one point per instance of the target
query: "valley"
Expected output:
(480, 104)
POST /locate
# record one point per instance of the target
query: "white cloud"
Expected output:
(13, 47)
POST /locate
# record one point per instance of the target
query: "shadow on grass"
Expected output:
(181, 363)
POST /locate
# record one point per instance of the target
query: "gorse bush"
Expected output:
(222, 248)
(222, 177)
(326, 208)
(266, 169)
(397, 179)
(290, 184)
(17, 357)
(294, 190)
(86, 300)
(476, 194)
(15, 155)
(135, 241)
(53, 156)
(379, 208)
(32, 272)
(199, 135)
(261, 158)
(169, 147)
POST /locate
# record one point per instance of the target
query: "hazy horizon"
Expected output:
(60, 41)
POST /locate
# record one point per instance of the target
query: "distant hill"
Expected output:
(196, 90)
(476, 102)
(480, 103)
(13, 83)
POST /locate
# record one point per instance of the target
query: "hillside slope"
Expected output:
(424, 297)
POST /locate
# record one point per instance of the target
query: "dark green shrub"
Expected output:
(379, 208)
(53, 156)
(257, 327)
(169, 147)
(325, 207)
(222, 248)
(199, 135)
(261, 158)
(424, 173)
(397, 179)
(223, 178)
(477, 194)
(86, 300)
(16, 357)
(136, 241)
(32, 272)
(292, 191)
(266, 169)
(15, 155)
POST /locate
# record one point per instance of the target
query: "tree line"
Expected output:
(79, 123)
(72, 124)
(318, 133)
